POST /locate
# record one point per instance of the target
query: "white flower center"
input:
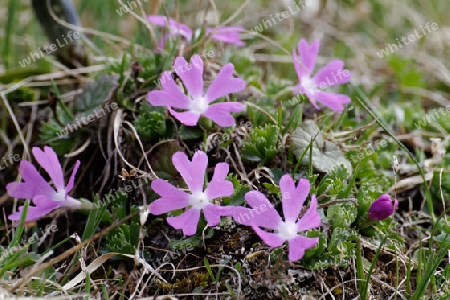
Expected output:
(198, 200)
(287, 230)
(60, 195)
(198, 105)
(309, 85)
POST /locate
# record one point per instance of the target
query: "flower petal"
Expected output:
(21, 190)
(191, 74)
(227, 34)
(49, 161)
(271, 239)
(311, 219)
(193, 172)
(33, 213)
(262, 213)
(224, 84)
(332, 74)
(218, 186)
(171, 198)
(220, 113)
(298, 245)
(187, 221)
(293, 197)
(172, 25)
(213, 213)
(187, 118)
(70, 184)
(299, 68)
(170, 96)
(34, 183)
(308, 54)
(333, 101)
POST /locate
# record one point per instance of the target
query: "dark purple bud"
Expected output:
(382, 208)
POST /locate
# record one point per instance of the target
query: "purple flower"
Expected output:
(330, 75)
(197, 103)
(198, 200)
(292, 201)
(36, 188)
(382, 208)
(225, 34)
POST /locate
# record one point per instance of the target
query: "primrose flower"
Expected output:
(225, 34)
(193, 173)
(330, 75)
(382, 208)
(36, 188)
(197, 103)
(292, 201)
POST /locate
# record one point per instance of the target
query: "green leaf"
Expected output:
(95, 94)
(342, 240)
(342, 214)
(262, 144)
(325, 155)
(151, 123)
(190, 133)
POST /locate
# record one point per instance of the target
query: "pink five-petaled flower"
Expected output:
(36, 188)
(330, 75)
(193, 174)
(382, 208)
(292, 201)
(225, 34)
(197, 103)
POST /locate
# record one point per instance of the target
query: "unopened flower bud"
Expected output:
(382, 208)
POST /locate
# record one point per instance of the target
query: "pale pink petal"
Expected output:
(49, 161)
(308, 54)
(187, 221)
(224, 84)
(172, 25)
(170, 96)
(227, 34)
(70, 184)
(298, 245)
(42, 201)
(192, 77)
(243, 215)
(214, 212)
(332, 74)
(171, 198)
(34, 183)
(271, 239)
(262, 213)
(293, 197)
(311, 219)
(333, 101)
(21, 190)
(301, 70)
(193, 172)
(220, 113)
(187, 118)
(33, 213)
(218, 186)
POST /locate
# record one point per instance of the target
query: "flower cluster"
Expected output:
(188, 102)
(207, 201)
